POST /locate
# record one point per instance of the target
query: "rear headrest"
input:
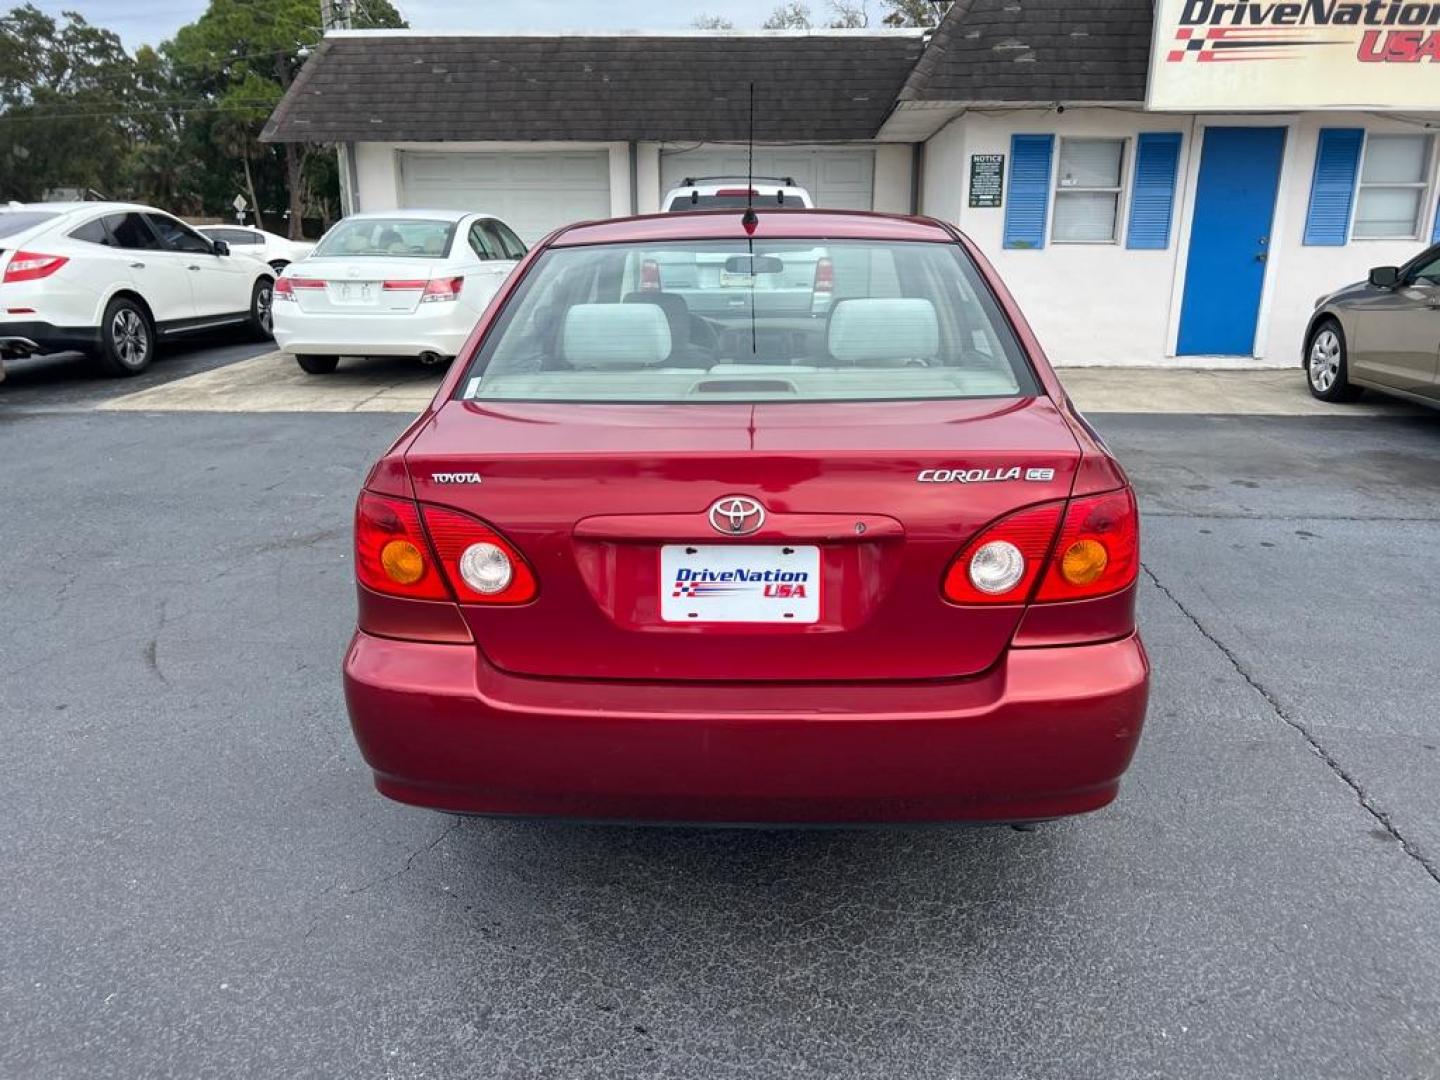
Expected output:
(677, 313)
(900, 328)
(673, 304)
(615, 335)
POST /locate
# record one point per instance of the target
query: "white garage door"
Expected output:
(839, 179)
(531, 192)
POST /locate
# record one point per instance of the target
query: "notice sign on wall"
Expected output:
(987, 179)
(1259, 55)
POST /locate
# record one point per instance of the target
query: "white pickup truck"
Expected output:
(725, 192)
(804, 286)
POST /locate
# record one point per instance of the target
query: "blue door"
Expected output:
(1230, 240)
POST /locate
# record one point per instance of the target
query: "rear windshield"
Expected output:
(715, 320)
(17, 221)
(407, 237)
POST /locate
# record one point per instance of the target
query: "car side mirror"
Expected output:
(1385, 277)
(221, 247)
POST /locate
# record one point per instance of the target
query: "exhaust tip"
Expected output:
(15, 348)
(433, 359)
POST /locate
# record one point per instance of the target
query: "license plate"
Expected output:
(736, 281)
(356, 292)
(739, 583)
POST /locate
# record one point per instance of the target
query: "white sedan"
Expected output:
(278, 251)
(113, 279)
(393, 283)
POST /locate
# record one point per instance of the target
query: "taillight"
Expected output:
(437, 289)
(391, 554)
(408, 285)
(286, 287)
(824, 275)
(1098, 552)
(649, 276)
(476, 565)
(1001, 564)
(732, 191)
(32, 266)
(482, 566)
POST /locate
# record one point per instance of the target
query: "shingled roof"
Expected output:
(1018, 51)
(402, 86)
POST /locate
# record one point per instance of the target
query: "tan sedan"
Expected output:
(1380, 334)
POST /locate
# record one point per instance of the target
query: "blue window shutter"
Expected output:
(1337, 159)
(1152, 203)
(1029, 198)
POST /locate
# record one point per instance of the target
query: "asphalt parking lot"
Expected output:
(198, 881)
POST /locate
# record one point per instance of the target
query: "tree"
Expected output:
(712, 22)
(915, 12)
(795, 15)
(66, 91)
(792, 15)
(241, 56)
(849, 14)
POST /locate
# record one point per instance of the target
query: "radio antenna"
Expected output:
(750, 220)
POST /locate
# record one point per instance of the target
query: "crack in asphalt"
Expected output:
(152, 649)
(1366, 802)
(423, 849)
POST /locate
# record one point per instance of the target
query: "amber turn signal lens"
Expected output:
(1083, 562)
(402, 561)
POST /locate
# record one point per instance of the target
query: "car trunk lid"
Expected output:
(362, 286)
(870, 501)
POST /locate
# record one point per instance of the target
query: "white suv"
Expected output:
(725, 192)
(110, 279)
(259, 244)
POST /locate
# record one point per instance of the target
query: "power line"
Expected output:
(156, 103)
(136, 73)
(10, 119)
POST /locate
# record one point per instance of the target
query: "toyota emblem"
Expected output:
(735, 515)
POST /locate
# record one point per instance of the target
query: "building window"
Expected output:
(1087, 191)
(1393, 185)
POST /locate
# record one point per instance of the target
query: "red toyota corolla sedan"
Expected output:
(786, 521)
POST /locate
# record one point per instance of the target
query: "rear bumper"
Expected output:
(369, 334)
(49, 337)
(1046, 733)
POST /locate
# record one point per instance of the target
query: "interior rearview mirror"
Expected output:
(1385, 277)
(753, 264)
(221, 247)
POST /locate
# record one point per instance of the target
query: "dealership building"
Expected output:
(1170, 183)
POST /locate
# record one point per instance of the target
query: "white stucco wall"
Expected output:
(377, 175)
(1106, 304)
(620, 201)
(892, 178)
(647, 174)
